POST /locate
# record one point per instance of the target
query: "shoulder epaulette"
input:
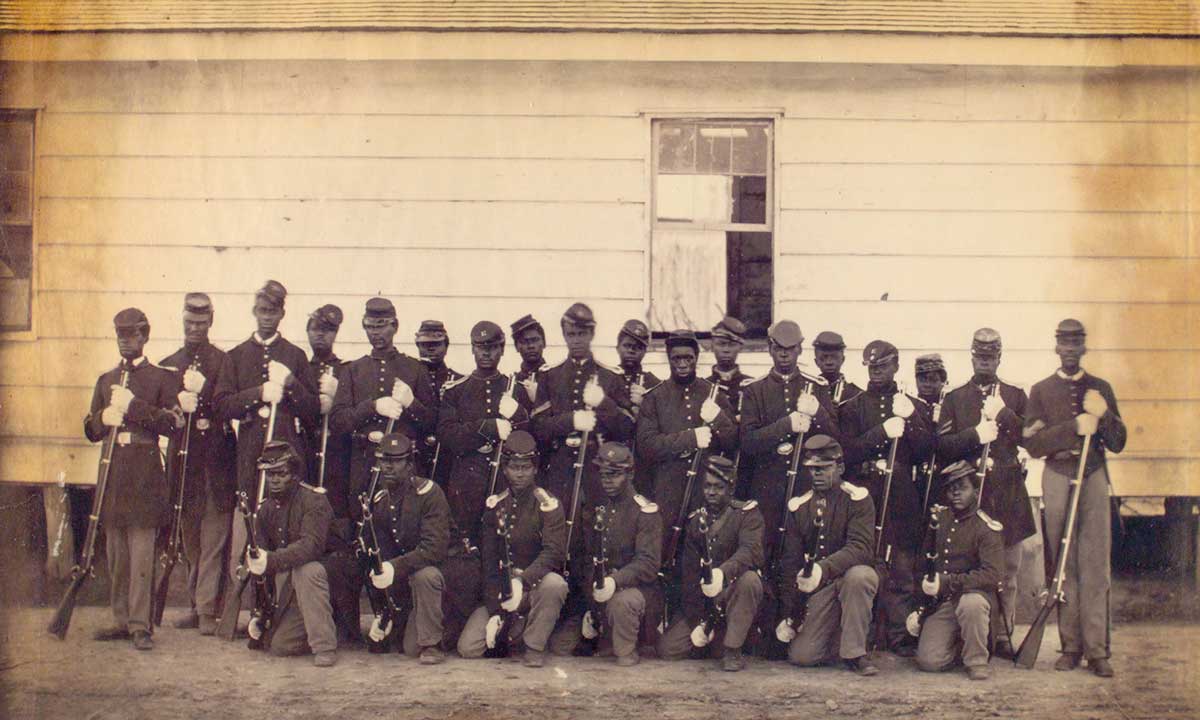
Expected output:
(379, 495)
(748, 505)
(172, 368)
(610, 368)
(1018, 386)
(644, 504)
(546, 501)
(425, 488)
(494, 500)
(855, 492)
(993, 524)
(746, 381)
(795, 503)
(454, 381)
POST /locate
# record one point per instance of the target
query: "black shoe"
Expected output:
(190, 621)
(1004, 650)
(861, 665)
(112, 633)
(1100, 667)
(732, 660)
(1067, 661)
(905, 650)
(142, 640)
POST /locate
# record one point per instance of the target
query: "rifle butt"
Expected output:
(1027, 654)
(160, 592)
(66, 607)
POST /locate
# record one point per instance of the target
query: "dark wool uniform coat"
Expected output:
(212, 445)
(537, 542)
(734, 541)
(337, 445)
(1050, 423)
(970, 554)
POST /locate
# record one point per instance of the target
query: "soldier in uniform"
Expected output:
(293, 527)
(529, 338)
(207, 376)
(323, 326)
(385, 386)
(478, 413)
(136, 503)
(986, 411)
(632, 342)
(831, 530)
(617, 558)
(930, 374)
(412, 523)
(829, 353)
(1063, 409)
(524, 531)
(682, 416)
(727, 535)
(432, 345)
(578, 398)
(969, 566)
(728, 338)
(872, 423)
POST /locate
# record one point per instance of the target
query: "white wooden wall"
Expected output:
(1009, 197)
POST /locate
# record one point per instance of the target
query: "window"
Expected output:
(711, 241)
(16, 219)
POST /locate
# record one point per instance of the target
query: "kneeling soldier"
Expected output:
(412, 525)
(724, 537)
(293, 526)
(523, 542)
(970, 567)
(827, 560)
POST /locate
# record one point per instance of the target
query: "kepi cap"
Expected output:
(486, 332)
(829, 340)
(614, 455)
(273, 292)
(394, 445)
(929, 364)
(878, 352)
(985, 342)
(130, 319)
(197, 303)
(1070, 328)
(519, 444)
(721, 467)
(431, 331)
(580, 315)
(682, 337)
(957, 470)
(730, 328)
(822, 450)
(277, 453)
(524, 323)
(637, 330)
(327, 317)
(785, 333)
(378, 311)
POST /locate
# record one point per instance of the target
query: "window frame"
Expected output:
(35, 115)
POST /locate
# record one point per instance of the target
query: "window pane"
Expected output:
(16, 197)
(676, 147)
(694, 198)
(750, 279)
(16, 251)
(15, 298)
(749, 199)
(714, 149)
(687, 280)
(751, 150)
(16, 145)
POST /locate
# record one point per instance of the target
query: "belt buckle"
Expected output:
(124, 437)
(431, 440)
(785, 448)
(264, 412)
(881, 465)
(486, 448)
(573, 440)
(203, 424)
(375, 436)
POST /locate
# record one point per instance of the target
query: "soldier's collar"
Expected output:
(795, 373)
(580, 362)
(527, 366)
(268, 342)
(726, 374)
(1074, 378)
(390, 352)
(138, 362)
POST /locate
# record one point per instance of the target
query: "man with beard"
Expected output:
(524, 531)
(478, 413)
(872, 423)
(1063, 409)
(137, 401)
(726, 536)
(207, 376)
(322, 329)
(988, 412)
(728, 338)
(292, 528)
(381, 388)
(432, 345)
(829, 353)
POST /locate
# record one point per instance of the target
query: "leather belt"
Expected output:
(136, 437)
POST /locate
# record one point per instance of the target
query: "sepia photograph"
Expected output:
(510, 359)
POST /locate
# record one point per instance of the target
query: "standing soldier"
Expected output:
(828, 581)
(930, 374)
(529, 338)
(579, 399)
(967, 570)
(207, 376)
(384, 385)
(617, 559)
(478, 414)
(323, 325)
(1063, 409)
(432, 345)
(874, 422)
(728, 338)
(138, 400)
(524, 544)
(293, 526)
(270, 373)
(829, 353)
(632, 342)
(988, 412)
(724, 537)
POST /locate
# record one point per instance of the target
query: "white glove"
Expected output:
(254, 629)
(389, 407)
(188, 401)
(800, 422)
(278, 372)
(714, 588)
(987, 430)
(588, 628)
(593, 394)
(503, 428)
(508, 407)
(992, 405)
(112, 417)
(402, 393)
(256, 565)
(384, 580)
(932, 587)
(514, 602)
(901, 406)
(784, 631)
(808, 404)
(193, 380)
(700, 638)
(1086, 424)
(1094, 403)
(491, 630)
(326, 403)
(894, 427)
(637, 393)
(377, 633)
(328, 384)
(584, 420)
(703, 436)
(810, 583)
(709, 410)
(272, 392)
(606, 591)
(913, 623)
(121, 397)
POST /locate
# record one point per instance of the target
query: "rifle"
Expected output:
(985, 456)
(495, 462)
(503, 639)
(714, 612)
(672, 548)
(937, 416)
(172, 552)
(883, 559)
(1032, 644)
(593, 619)
(578, 466)
(382, 605)
(320, 487)
(264, 602)
(793, 472)
(800, 608)
(929, 604)
(82, 571)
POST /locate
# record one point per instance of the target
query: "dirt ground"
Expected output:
(186, 676)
